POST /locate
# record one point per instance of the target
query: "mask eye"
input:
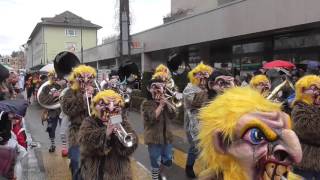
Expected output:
(255, 136)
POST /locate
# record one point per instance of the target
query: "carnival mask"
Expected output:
(157, 90)
(85, 79)
(263, 87)
(221, 83)
(108, 107)
(203, 78)
(264, 145)
(314, 92)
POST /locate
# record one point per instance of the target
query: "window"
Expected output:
(71, 32)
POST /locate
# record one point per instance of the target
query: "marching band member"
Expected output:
(74, 105)
(103, 156)
(219, 81)
(261, 83)
(244, 136)
(195, 96)
(157, 115)
(50, 95)
(306, 117)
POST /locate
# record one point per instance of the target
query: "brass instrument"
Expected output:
(174, 97)
(276, 90)
(125, 138)
(63, 64)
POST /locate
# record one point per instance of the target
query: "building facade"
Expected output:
(241, 34)
(64, 32)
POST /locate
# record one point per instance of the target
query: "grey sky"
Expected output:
(19, 17)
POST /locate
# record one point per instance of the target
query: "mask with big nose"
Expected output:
(107, 108)
(203, 79)
(85, 80)
(157, 91)
(314, 92)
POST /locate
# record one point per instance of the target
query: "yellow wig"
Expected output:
(306, 82)
(258, 79)
(161, 75)
(77, 71)
(162, 68)
(104, 95)
(51, 73)
(222, 115)
(199, 68)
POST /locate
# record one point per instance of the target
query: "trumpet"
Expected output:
(125, 138)
(173, 96)
(276, 90)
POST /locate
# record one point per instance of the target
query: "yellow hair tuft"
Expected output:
(258, 79)
(222, 115)
(199, 68)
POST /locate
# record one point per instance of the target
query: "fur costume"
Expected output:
(238, 136)
(73, 102)
(306, 123)
(102, 157)
(153, 128)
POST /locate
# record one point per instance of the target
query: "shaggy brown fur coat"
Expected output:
(157, 131)
(74, 105)
(103, 159)
(306, 124)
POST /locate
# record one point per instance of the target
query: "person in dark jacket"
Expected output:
(306, 124)
(49, 96)
(104, 156)
(219, 81)
(157, 115)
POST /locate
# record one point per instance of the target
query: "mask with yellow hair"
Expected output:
(246, 137)
(106, 104)
(261, 83)
(52, 77)
(81, 77)
(200, 74)
(308, 90)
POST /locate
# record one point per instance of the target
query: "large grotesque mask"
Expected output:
(199, 75)
(244, 136)
(107, 104)
(220, 80)
(308, 90)
(261, 83)
(82, 76)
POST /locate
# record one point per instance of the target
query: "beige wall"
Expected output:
(57, 40)
(195, 5)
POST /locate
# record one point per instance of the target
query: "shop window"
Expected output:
(248, 48)
(285, 42)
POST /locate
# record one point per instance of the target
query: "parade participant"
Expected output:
(74, 105)
(50, 95)
(195, 96)
(103, 154)
(219, 81)
(306, 118)
(7, 154)
(29, 87)
(261, 83)
(245, 136)
(157, 115)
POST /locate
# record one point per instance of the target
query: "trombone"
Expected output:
(276, 90)
(173, 96)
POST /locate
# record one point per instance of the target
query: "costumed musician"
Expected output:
(50, 95)
(306, 123)
(261, 83)
(74, 105)
(195, 95)
(157, 115)
(103, 154)
(219, 81)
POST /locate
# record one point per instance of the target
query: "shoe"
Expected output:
(190, 172)
(52, 149)
(64, 152)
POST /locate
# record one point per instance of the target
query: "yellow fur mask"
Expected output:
(81, 69)
(222, 115)
(105, 95)
(303, 83)
(199, 68)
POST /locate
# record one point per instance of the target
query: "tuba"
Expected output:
(273, 95)
(63, 63)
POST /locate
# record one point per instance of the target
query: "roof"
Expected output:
(66, 18)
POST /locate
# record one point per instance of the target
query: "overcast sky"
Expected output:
(19, 17)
